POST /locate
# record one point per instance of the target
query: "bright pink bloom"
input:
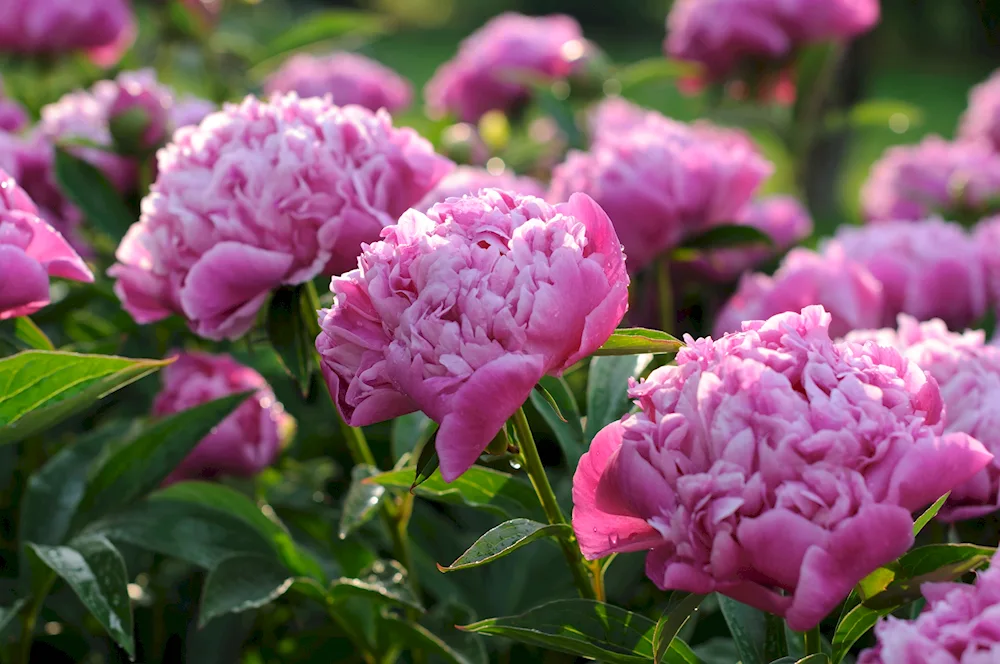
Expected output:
(660, 180)
(244, 443)
(851, 294)
(469, 180)
(31, 251)
(348, 77)
(987, 237)
(959, 625)
(264, 194)
(934, 176)
(483, 75)
(105, 29)
(461, 311)
(772, 465)
(722, 34)
(981, 120)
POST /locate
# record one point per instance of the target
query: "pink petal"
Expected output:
(24, 285)
(51, 249)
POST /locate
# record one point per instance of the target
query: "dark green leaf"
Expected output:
(142, 464)
(409, 432)
(817, 658)
(97, 198)
(479, 487)
(289, 333)
(929, 514)
(904, 590)
(242, 583)
(504, 539)
(551, 400)
(607, 389)
(385, 580)
(442, 621)
(775, 641)
(728, 235)
(679, 609)
(325, 26)
(361, 502)
(39, 389)
(580, 627)
(853, 625)
(21, 333)
(427, 461)
(638, 340)
(95, 571)
(417, 637)
(568, 427)
(919, 561)
(748, 629)
(813, 74)
(8, 614)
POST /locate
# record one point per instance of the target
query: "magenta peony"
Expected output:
(31, 251)
(244, 443)
(461, 311)
(483, 75)
(660, 180)
(959, 625)
(469, 180)
(981, 120)
(105, 29)
(264, 194)
(934, 176)
(723, 34)
(13, 116)
(348, 77)
(968, 372)
(771, 465)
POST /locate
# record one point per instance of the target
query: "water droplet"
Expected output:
(515, 465)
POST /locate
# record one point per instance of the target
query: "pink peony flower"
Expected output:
(13, 116)
(772, 465)
(987, 237)
(105, 29)
(968, 372)
(660, 180)
(483, 75)
(348, 77)
(781, 217)
(928, 269)
(959, 625)
(981, 120)
(265, 194)
(469, 180)
(461, 311)
(851, 294)
(723, 34)
(934, 176)
(244, 443)
(31, 251)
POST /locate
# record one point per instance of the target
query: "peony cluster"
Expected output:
(105, 29)
(968, 372)
(981, 120)
(987, 235)
(771, 465)
(484, 75)
(469, 180)
(347, 77)
(959, 625)
(13, 116)
(661, 180)
(244, 443)
(31, 251)
(263, 194)
(460, 311)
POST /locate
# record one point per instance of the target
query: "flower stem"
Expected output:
(536, 473)
(813, 642)
(665, 291)
(30, 617)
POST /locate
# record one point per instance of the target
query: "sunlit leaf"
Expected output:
(504, 539)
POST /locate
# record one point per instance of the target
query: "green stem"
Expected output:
(665, 291)
(813, 642)
(539, 480)
(30, 617)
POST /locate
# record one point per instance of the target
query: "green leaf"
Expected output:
(551, 400)
(142, 464)
(414, 636)
(409, 432)
(361, 502)
(483, 488)
(289, 322)
(561, 111)
(907, 589)
(89, 190)
(39, 389)
(607, 389)
(504, 539)
(639, 340)
(748, 629)
(21, 333)
(817, 658)
(919, 561)
(580, 627)
(929, 514)
(679, 653)
(384, 580)
(679, 609)
(654, 70)
(568, 428)
(883, 113)
(427, 460)
(728, 235)
(852, 626)
(813, 74)
(7, 615)
(325, 26)
(95, 571)
(242, 583)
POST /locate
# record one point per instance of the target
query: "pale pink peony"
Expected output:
(934, 176)
(772, 465)
(469, 180)
(721, 35)
(987, 237)
(851, 294)
(461, 311)
(483, 76)
(661, 180)
(348, 77)
(959, 625)
(31, 251)
(263, 194)
(244, 443)
(105, 29)
(981, 120)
